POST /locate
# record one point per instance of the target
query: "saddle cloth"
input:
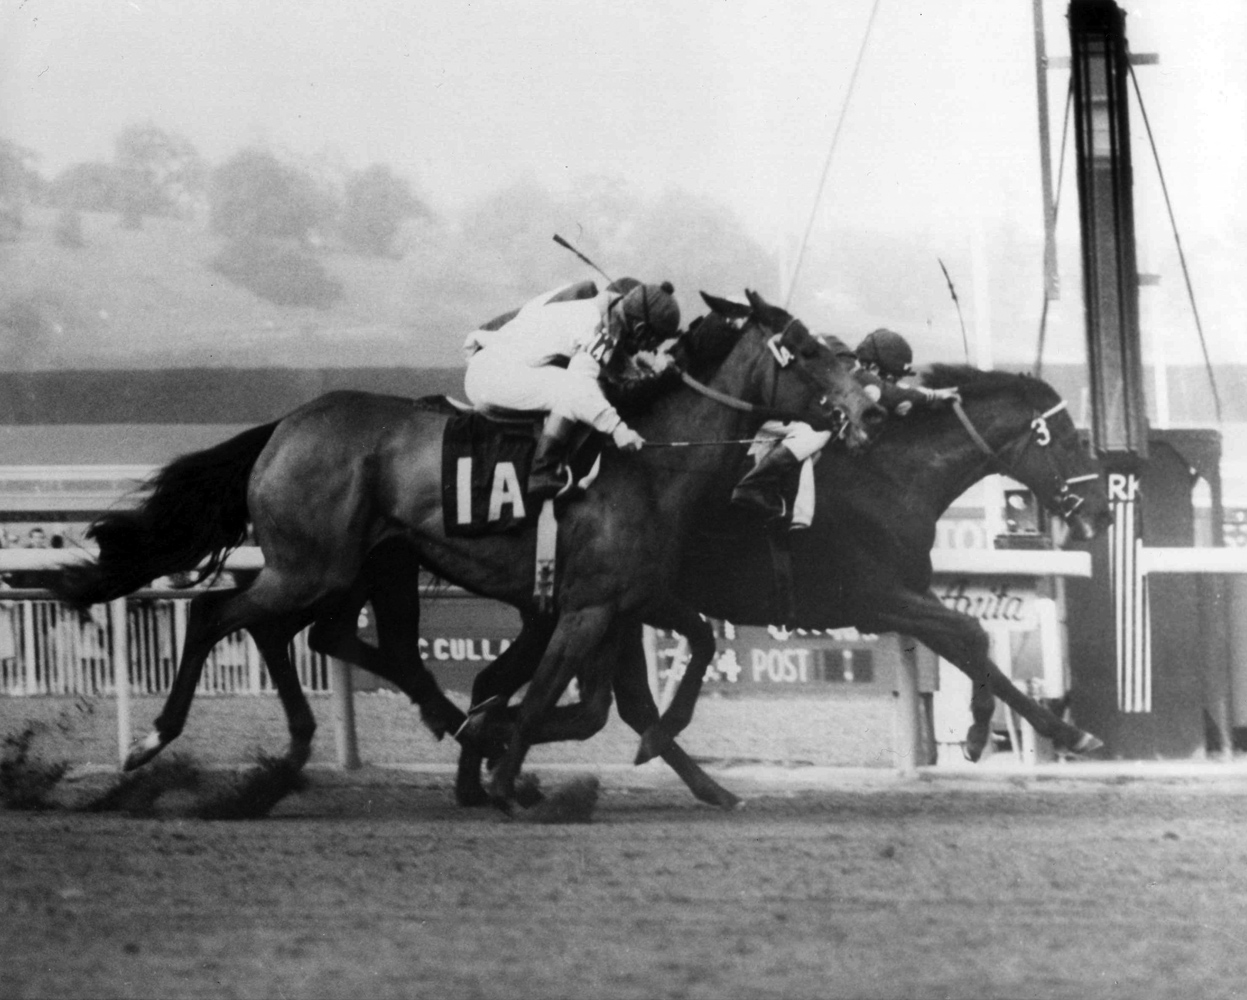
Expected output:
(485, 467)
(485, 464)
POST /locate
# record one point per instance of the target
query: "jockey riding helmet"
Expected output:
(887, 352)
(650, 315)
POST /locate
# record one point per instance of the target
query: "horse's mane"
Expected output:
(975, 382)
(699, 351)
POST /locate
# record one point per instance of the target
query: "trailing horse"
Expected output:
(350, 474)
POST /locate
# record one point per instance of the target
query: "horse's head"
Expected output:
(1033, 440)
(795, 375)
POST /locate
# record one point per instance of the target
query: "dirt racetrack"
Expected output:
(374, 884)
(837, 879)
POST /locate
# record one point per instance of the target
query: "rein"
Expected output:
(1066, 501)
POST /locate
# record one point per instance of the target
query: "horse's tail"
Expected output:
(195, 510)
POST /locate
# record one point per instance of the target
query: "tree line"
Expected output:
(276, 215)
(157, 172)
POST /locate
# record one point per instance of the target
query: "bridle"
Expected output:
(783, 358)
(1064, 501)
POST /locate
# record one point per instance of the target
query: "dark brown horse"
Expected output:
(349, 474)
(866, 559)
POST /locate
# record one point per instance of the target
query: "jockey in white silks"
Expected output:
(548, 356)
(883, 358)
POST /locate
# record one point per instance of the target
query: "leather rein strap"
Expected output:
(975, 436)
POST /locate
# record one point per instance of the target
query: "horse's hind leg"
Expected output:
(682, 619)
(961, 640)
(390, 580)
(201, 636)
(636, 708)
(212, 616)
(273, 640)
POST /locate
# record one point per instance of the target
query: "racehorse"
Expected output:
(866, 559)
(348, 473)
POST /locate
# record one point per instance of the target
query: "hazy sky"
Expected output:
(736, 99)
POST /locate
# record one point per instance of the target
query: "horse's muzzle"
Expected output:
(1084, 528)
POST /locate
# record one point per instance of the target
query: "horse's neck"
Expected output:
(687, 414)
(950, 462)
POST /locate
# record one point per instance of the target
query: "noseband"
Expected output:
(1065, 501)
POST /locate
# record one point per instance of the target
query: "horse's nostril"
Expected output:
(874, 416)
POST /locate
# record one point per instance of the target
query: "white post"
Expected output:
(121, 673)
(906, 722)
(28, 650)
(345, 737)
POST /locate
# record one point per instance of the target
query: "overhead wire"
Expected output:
(1186, 273)
(1056, 208)
(831, 152)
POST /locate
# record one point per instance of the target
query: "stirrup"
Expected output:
(540, 491)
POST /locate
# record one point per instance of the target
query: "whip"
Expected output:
(563, 243)
(957, 302)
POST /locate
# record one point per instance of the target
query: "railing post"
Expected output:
(28, 648)
(121, 673)
(906, 741)
(345, 737)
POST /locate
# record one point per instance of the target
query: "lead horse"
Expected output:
(866, 559)
(345, 476)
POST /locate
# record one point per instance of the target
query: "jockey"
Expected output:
(548, 356)
(882, 359)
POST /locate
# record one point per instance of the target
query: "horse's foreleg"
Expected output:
(637, 709)
(962, 641)
(482, 734)
(578, 640)
(682, 619)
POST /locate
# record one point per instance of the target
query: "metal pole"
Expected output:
(1052, 284)
(345, 736)
(121, 673)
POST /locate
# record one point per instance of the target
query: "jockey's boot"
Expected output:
(759, 489)
(549, 477)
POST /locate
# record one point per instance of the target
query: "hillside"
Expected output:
(149, 299)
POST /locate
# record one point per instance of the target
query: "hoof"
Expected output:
(1087, 744)
(298, 754)
(975, 743)
(471, 796)
(528, 791)
(144, 750)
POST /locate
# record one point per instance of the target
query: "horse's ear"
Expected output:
(726, 307)
(768, 315)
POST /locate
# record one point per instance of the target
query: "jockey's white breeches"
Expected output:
(806, 444)
(497, 378)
